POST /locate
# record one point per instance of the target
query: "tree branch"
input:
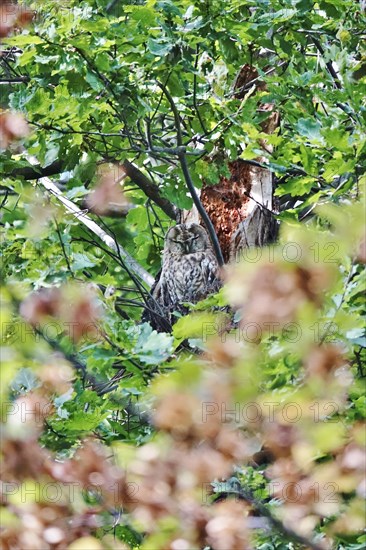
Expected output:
(149, 188)
(35, 172)
(328, 64)
(247, 495)
(19, 80)
(111, 5)
(143, 182)
(130, 262)
(187, 176)
(344, 107)
(112, 210)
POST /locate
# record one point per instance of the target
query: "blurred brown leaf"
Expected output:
(74, 306)
(12, 16)
(108, 193)
(324, 360)
(13, 126)
(39, 305)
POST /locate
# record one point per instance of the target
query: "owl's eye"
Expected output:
(191, 239)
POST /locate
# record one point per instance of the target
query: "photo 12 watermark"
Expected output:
(253, 332)
(271, 411)
(58, 492)
(292, 492)
(21, 332)
(291, 252)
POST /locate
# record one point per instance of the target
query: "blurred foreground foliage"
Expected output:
(252, 434)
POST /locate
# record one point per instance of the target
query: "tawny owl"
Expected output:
(190, 271)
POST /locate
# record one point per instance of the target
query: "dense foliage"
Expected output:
(226, 434)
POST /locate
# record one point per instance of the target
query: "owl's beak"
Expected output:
(187, 247)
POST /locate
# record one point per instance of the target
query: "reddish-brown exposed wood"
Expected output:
(226, 203)
(240, 206)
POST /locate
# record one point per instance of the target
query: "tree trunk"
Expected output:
(242, 207)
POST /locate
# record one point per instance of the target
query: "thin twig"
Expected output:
(63, 248)
(20, 80)
(247, 495)
(276, 523)
(187, 176)
(328, 64)
(348, 280)
(111, 5)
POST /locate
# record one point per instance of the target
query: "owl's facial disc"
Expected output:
(186, 239)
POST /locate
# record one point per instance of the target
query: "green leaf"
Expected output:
(159, 48)
(337, 137)
(145, 15)
(82, 261)
(199, 325)
(85, 422)
(152, 347)
(310, 128)
(25, 381)
(94, 81)
(23, 40)
(298, 186)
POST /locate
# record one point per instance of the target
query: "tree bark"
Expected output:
(241, 207)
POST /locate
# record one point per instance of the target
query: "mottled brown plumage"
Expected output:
(189, 270)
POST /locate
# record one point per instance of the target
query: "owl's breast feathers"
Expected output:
(191, 277)
(190, 273)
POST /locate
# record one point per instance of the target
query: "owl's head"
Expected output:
(185, 239)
